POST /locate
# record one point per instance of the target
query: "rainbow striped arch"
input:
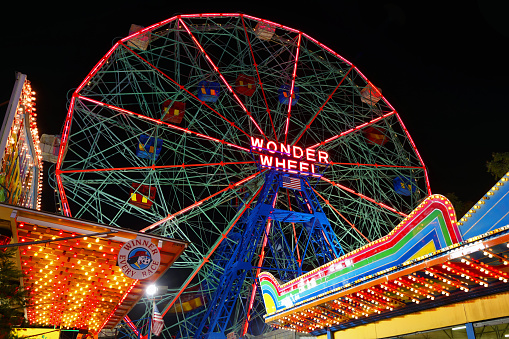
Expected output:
(428, 228)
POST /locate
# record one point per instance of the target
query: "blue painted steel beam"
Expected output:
(242, 243)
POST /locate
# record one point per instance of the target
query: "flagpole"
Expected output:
(150, 320)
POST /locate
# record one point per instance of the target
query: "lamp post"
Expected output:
(151, 292)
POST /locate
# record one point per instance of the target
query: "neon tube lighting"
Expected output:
(198, 203)
(159, 122)
(292, 88)
(321, 108)
(364, 197)
(209, 254)
(258, 75)
(213, 65)
(154, 167)
(373, 165)
(351, 130)
(416, 151)
(187, 91)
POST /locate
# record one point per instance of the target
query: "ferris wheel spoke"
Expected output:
(327, 203)
(159, 122)
(206, 258)
(363, 196)
(216, 69)
(374, 165)
(158, 133)
(292, 87)
(198, 203)
(415, 150)
(308, 125)
(354, 129)
(259, 78)
(188, 92)
(154, 167)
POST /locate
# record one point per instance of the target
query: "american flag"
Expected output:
(157, 321)
(291, 182)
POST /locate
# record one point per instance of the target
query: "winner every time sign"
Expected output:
(288, 158)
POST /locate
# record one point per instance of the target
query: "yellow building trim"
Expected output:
(474, 310)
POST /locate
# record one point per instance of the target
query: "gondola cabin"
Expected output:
(284, 94)
(147, 146)
(208, 91)
(50, 146)
(140, 41)
(173, 111)
(245, 85)
(142, 196)
(375, 135)
(264, 31)
(371, 95)
(403, 185)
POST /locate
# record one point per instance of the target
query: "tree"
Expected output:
(12, 296)
(461, 207)
(499, 166)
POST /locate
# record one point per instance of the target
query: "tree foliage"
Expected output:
(460, 207)
(499, 165)
(12, 296)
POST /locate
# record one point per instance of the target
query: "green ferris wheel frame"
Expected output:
(229, 78)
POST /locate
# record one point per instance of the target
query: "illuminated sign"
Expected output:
(288, 158)
(21, 165)
(139, 258)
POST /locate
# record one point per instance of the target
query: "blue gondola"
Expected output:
(403, 185)
(284, 94)
(208, 91)
(146, 149)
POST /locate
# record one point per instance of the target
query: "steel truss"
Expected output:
(205, 178)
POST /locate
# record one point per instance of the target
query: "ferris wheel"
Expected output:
(179, 127)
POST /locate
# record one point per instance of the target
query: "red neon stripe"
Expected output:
(328, 49)
(96, 68)
(216, 69)
(321, 108)
(118, 304)
(416, 152)
(260, 262)
(149, 28)
(363, 196)
(342, 216)
(159, 122)
(373, 165)
(207, 257)
(259, 78)
(351, 130)
(185, 89)
(131, 324)
(292, 88)
(61, 152)
(272, 23)
(153, 167)
(198, 203)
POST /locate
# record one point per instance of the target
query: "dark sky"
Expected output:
(443, 67)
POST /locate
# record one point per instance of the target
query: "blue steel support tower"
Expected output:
(244, 242)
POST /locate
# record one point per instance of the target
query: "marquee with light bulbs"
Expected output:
(71, 269)
(21, 166)
(429, 259)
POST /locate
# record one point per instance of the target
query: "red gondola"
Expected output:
(142, 196)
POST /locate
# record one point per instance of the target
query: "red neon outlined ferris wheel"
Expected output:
(157, 136)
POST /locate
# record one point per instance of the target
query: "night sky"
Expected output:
(444, 69)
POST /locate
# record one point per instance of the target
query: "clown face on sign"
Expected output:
(139, 258)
